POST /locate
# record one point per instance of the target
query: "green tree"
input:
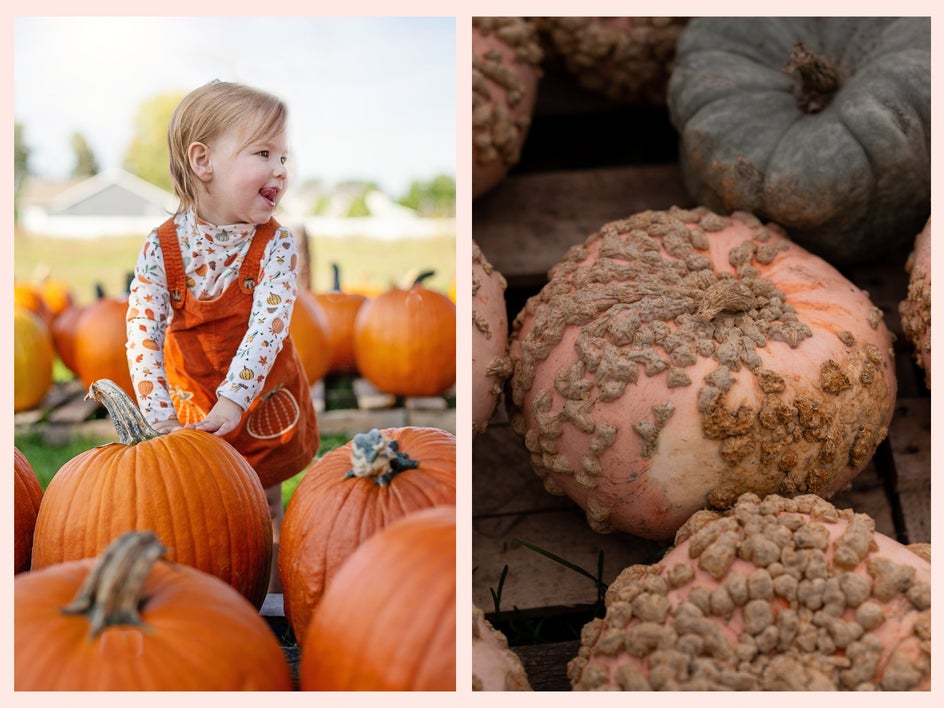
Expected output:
(85, 163)
(21, 168)
(433, 198)
(147, 155)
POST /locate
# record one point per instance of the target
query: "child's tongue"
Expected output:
(269, 194)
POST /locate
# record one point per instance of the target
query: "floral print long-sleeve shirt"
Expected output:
(212, 258)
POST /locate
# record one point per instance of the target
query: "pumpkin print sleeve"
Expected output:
(148, 312)
(272, 305)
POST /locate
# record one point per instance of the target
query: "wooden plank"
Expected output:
(534, 580)
(546, 664)
(526, 224)
(910, 443)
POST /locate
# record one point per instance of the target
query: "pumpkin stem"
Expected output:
(129, 421)
(424, 275)
(373, 454)
(112, 592)
(817, 78)
(337, 277)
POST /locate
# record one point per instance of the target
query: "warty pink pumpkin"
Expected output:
(776, 594)
(678, 359)
(490, 364)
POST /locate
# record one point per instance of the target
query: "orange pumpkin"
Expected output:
(32, 359)
(199, 495)
(27, 495)
(340, 309)
(351, 493)
(99, 342)
(405, 341)
(28, 296)
(387, 621)
(309, 330)
(129, 621)
(57, 296)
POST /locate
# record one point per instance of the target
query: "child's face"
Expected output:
(244, 183)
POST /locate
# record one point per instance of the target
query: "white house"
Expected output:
(112, 203)
(117, 203)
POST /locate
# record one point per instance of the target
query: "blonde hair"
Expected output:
(208, 111)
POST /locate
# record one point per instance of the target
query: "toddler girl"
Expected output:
(214, 288)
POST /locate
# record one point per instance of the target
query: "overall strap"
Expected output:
(251, 263)
(173, 263)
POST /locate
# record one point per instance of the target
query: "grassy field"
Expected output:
(364, 263)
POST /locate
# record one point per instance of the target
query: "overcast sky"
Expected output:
(369, 97)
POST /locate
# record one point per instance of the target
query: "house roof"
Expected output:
(111, 193)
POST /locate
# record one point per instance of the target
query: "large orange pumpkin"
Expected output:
(351, 493)
(340, 309)
(387, 621)
(27, 495)
(405, 341)
(129, 621)
(199, 495)
(309, 330)
(32, 359)
(99, 342)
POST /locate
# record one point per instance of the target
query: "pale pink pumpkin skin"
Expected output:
(915, 309)
(795, 440)
(495, 667)
(890, 602)
(501, 107)
(490, 363)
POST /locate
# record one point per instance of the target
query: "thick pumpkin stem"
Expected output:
(336, 275)
(426, 274)
(112, 592)
(375, 455)
(817, 79)
(129, 421)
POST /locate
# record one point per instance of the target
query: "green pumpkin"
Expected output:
(822, 125)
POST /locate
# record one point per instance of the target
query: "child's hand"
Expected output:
(167, 426)
(222, 418)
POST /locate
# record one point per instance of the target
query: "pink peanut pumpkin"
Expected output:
(678, 359)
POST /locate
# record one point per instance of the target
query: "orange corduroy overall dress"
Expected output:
(278, 433)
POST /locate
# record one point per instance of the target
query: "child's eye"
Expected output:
(264, 153)
(283, 159)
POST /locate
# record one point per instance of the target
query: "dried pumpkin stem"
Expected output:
(377, 456)
(112, 592)
(129, 421)
(817, 79)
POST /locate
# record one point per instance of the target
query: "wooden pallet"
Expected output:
(524, 227)
(65, 413)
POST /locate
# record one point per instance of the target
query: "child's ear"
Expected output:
(199, 156)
